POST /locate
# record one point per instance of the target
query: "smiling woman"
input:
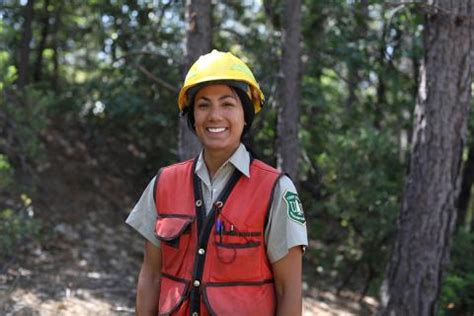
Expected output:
(225, 232)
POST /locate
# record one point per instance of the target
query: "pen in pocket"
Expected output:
(219, 228)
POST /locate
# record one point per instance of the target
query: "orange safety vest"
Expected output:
(215, 264)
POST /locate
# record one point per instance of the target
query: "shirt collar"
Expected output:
(240, 159)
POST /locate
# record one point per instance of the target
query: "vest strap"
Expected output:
(205, 231)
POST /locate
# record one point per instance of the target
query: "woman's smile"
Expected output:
(216, 129)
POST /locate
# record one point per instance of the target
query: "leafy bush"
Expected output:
(15, 227)
(27, 115)
(16, 221)
(6, 172)
(457, 297)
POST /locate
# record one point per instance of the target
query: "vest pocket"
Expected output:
(238, 252)
(237, 245)
(241, 298)
(173, 291)
(170, 227)
(174, 232)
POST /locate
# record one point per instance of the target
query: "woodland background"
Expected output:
(88, 114)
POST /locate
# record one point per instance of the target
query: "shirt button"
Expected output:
(201, 251)
(196, 283)
(195, 314)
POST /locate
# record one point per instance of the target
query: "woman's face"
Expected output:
(219, 118)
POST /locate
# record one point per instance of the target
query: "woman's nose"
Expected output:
(215, 113)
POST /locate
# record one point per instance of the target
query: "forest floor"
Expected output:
(87, 259)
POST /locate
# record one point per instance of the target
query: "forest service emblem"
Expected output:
(295, 209)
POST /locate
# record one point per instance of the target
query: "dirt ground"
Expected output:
(86, 259)
(90, 267)
(91, 270)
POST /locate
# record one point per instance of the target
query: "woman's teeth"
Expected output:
(216, 129)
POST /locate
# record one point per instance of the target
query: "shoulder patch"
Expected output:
(294, 207)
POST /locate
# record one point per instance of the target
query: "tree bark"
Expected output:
(288, 104)
(38, 72)
(381, 99)
(466, 185)
(198, 42)
(361, 15)
(468, 172)
(428, 215)
(55, 44)
(24, 53)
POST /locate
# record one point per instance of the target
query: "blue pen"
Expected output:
(219, 228)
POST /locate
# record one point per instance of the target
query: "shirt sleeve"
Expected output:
(286, 227)
(143, 216)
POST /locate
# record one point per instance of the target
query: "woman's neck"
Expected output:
(215, 159)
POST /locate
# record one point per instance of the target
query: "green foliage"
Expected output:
(6, 172)
(358, 94)
(355, 122)
(27, 116)
(9, 72)
(457, 297)
(16, 225)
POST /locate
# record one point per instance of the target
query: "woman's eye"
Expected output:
(201, 105)
(228, 104)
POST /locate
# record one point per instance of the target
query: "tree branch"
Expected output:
(428, 8)
(139, 53)
(157, 80)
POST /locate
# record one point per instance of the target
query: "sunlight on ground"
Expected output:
(329, 304)
(313, 307)
(81, 302)
(27, 303)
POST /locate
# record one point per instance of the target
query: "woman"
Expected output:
(225, 232)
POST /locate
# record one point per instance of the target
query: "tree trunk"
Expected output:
(361, 15)
(468, 172)
(198, 42)
(428, 215)
(288, 104)
(24, 53)
(466, 184)
(381, 99)
(42, 44)
(55, 45)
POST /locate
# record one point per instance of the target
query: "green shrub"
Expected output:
(16, 223)
(15, 227)
(457, 296)
(6, 172)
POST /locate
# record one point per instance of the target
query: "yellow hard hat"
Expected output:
(217, 66)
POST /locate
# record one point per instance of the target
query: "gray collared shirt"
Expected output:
(281, 232)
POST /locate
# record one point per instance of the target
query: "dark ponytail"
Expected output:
(246, 140)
